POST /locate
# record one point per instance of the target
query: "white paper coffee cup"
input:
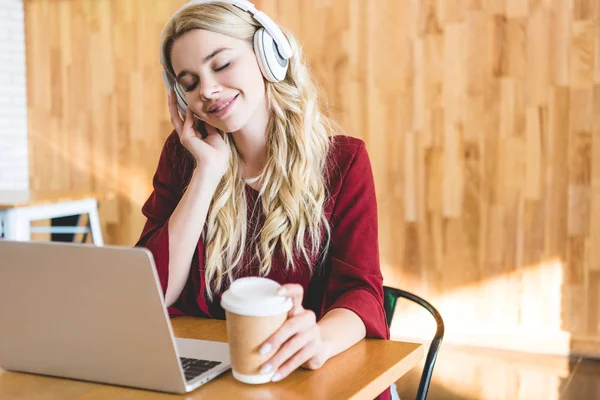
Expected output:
(254, 312)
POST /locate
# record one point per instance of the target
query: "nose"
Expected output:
(209, 87)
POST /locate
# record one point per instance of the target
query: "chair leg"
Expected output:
(84, 236)
(394, 392)
(95, 227)
(17, 225)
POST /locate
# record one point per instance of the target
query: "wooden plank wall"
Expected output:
(481, 119)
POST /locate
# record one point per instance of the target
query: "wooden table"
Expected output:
(361, 372)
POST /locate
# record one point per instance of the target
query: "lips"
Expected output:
(221, 104)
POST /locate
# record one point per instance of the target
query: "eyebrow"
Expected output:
(206, 59)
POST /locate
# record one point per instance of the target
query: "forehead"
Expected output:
(191, 48)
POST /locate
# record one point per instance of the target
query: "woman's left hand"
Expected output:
(298, 342)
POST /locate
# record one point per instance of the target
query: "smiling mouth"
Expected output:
(224, 105)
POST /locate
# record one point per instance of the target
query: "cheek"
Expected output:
(247, 78)
(258, 81)
(255, 88)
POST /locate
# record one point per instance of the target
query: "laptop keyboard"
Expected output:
(193, 367)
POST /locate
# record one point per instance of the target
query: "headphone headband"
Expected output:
(283, 46)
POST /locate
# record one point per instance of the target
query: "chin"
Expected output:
(231, 126)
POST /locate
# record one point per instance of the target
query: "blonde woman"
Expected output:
(253, 181)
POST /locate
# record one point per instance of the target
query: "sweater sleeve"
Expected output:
(160, 205)
(356, 282)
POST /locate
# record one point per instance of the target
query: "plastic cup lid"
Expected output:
(255, 296)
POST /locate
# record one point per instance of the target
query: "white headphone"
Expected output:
(270, 46)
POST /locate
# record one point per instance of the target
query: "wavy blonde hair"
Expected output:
(293, 192)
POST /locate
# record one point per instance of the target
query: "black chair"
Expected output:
(391, 295)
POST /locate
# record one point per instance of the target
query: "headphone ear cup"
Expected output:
(170, 84)
(272, 65)
(181, 103)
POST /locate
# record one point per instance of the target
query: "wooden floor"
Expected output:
(477, 374)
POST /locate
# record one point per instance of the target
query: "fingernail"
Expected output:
(265, 349)
(276, 377)
(266, 369)
(282, 292)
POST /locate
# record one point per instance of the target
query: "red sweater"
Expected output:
(350, 276)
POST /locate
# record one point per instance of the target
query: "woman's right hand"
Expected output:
(211, 153)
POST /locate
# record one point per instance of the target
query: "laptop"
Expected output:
(95, 314)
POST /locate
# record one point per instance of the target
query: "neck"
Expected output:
(251, 142)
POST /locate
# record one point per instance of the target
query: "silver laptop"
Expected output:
(95, 314)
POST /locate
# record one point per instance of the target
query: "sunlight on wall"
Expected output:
(518, 311)
(131, 181)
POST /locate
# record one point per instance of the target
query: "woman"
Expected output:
(253, 182)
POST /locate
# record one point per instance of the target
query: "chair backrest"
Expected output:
(389, 303)
(390, 298)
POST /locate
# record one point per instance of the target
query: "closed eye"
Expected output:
(222, 68)
(193, 86)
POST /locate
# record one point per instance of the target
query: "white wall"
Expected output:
(14, 163)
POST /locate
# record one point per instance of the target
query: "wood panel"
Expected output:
(482, 119)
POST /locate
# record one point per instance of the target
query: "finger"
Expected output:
(315, 362)
(300, 323)
(296, 293)
(294, 362)
(188, 133)
(188, 124)
(174, 113)
(291, 347)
